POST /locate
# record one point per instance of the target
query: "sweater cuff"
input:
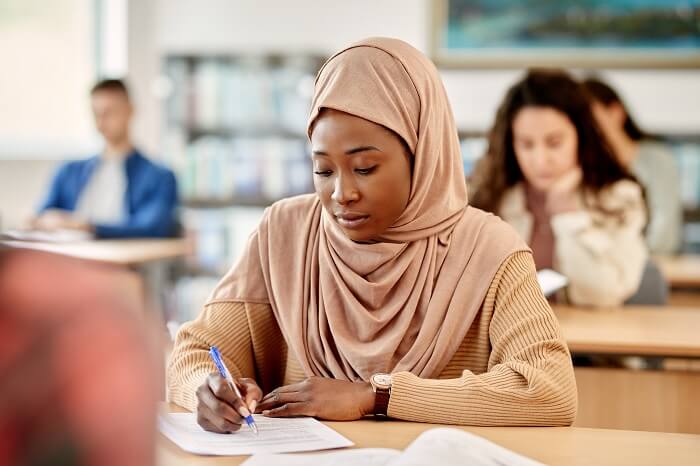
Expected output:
(185, 392)
(412, 398)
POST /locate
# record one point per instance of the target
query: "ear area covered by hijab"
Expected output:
(349, 310)
(388, 82)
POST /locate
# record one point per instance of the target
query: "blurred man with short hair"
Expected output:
(118, 193)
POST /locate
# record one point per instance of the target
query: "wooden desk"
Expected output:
(632, 330)
(146, 256)
(619, 398)
(680, 271)
(119, 252)
(687, 297)
(550, 445)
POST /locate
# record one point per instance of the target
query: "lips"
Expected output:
(351, 220)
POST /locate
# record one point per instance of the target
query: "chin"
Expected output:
(357, 236)
(360, 236)
(542, 186)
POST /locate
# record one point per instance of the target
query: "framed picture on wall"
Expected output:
(567, 33)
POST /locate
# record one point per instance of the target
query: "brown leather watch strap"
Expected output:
(381, 401)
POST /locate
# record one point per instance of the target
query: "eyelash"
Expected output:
(361, 171)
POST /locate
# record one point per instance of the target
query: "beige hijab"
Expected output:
(349, 310)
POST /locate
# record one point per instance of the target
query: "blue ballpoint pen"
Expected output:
(223, 370)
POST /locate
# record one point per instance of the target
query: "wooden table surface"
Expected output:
(119, 252)
(551, 445)
(680, 271)
(633, 330)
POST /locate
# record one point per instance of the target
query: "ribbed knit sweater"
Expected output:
(512, 369)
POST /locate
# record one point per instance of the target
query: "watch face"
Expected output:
(382, 380)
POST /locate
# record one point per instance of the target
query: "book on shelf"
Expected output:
(245, 168)
(236, 125)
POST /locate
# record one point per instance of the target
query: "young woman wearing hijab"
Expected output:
(384, 292)
(549, 173)
(648, 160)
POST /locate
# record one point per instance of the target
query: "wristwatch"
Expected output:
(381, 384)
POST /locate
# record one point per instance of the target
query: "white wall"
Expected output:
(662, 101)
(143, 67)
(23, 184)
(665, 101)
(280, 25)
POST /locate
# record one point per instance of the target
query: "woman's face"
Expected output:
(546, 145)
(362, 173)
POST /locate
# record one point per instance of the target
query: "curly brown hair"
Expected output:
(498, 170)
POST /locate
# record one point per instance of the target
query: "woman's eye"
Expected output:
(524, 145)
(322, 172)
(365, 171)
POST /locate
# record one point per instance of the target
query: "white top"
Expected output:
(603, 256)
(102, 200)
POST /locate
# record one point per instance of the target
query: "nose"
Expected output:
(344, 191)
(541, 158)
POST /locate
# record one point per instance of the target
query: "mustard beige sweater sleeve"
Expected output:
(247, 336)
(512, 368)
(529, 379)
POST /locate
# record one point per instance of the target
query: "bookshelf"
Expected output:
(234, 127)
(234, 132)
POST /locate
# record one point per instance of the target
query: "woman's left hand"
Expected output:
(329, 399)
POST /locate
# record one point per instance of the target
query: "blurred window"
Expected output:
(52, 52)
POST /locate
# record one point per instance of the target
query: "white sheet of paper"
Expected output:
(551, 281)
(443, 446)
(57, 236)
(276, 435)
(363, 456)
(453, 447)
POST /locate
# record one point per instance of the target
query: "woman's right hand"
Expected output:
(219, 409)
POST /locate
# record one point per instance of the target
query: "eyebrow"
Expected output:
(352, 151)
(555, 134)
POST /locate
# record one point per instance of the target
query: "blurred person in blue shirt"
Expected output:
(118, 193)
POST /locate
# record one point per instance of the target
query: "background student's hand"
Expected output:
(329, 399)
(56, 219)
(563, 195)
(218, 407)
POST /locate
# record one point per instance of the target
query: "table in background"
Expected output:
(134, 252)
(148, 257)
(569, 446)
(632, 330)
(620, 398)
(683, 276)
